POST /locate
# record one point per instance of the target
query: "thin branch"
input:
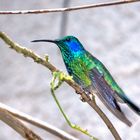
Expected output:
(41, 11)
(18, 126)
(28, 53)
(44, 125)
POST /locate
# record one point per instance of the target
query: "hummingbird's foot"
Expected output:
(91, 97)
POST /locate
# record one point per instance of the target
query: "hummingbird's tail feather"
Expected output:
(115, 109)
(131, 104)
(106, 95)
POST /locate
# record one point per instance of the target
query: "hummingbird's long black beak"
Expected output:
(45, 40)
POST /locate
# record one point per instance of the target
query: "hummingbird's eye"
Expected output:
(68, 39)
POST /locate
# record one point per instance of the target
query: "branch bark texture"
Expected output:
(18, 126)
(38, 123)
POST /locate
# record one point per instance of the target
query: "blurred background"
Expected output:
(112, 34)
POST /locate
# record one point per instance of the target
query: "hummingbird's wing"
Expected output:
(106, 95)
(102, 74)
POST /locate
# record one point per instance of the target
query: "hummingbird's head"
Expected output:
(68, 44)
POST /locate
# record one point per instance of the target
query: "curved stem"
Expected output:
(61, 77)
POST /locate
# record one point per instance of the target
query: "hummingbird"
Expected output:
(92, 76)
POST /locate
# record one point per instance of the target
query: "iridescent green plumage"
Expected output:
(81, 62)
(92, 75)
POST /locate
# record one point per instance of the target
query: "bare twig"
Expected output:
(28, 53)
(18, 126)
(44, 125)
(41, 11)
